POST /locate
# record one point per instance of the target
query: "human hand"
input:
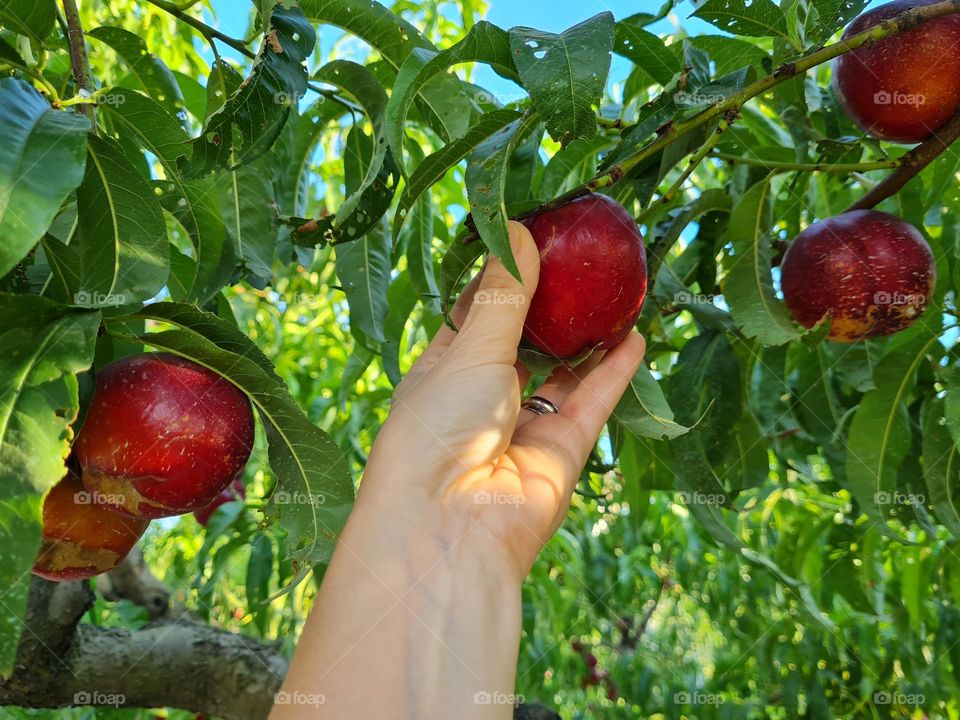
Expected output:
(457, 455)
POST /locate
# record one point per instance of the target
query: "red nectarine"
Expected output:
(81, 538)
(593, 277)
(871, 272)
(163, 435)
(906, 86)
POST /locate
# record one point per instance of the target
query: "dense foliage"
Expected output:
(768, 529)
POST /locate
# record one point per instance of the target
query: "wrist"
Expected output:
(424, 539)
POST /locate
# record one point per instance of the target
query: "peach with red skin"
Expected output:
(871, 272)
(906, 86)
(593, 277)
(80, 538)
(163, 434)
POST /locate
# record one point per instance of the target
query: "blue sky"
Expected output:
(551, 15)
(232, 17)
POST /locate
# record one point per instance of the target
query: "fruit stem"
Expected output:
(910, 165)
(210, 34)
(904, 21)
(809, 167)
(79, 61)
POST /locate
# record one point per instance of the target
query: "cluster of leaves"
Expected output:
(213, 198)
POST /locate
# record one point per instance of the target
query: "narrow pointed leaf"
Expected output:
(748, 287)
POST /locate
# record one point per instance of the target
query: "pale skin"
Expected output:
(419, 613)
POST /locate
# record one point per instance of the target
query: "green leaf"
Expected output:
(196, 206)
(145, 120)
(711, 517)
(310, 125)
(121, 235)
(44, 346)
(252, 118)
(941, 465)
(565, 74)
(572, 166)
(11, 56)
(259, 573)
(363, 267)
(419, 241)
(33, 18)
(436, 165)
(726, 53)
(247, 202)
(193, 203)
(314, 490)
(363, 85)
(643, 410)
(456, 263)
(441, 101)
(834, 14)
(645, 49)
(150, 70)
(645, 464)
(217, 330)
(41, 160)
(748, 286)
(755, 18)
(880, 436)
(704, 391)
(486, 181)
(484, 43)
(401, 300)
(392, 36)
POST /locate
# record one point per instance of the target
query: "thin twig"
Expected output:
(210, 34)
(692, 164)
(809, 167)
(910, 165)
(904, 21)
(79, 61)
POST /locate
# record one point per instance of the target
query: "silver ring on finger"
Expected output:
(539, 406)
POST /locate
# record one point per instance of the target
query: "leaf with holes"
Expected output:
(484, 43)
(565, 74)
(754, 18)
(252, 118)
(645, 49)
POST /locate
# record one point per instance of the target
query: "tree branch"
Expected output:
(79, 61)
(808, 167)
(210, 34)
(901, 23)
(910, 165)
(177, 663)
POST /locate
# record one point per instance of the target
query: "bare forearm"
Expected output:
(406, 626)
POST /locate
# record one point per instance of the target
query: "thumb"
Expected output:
(494, 324)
